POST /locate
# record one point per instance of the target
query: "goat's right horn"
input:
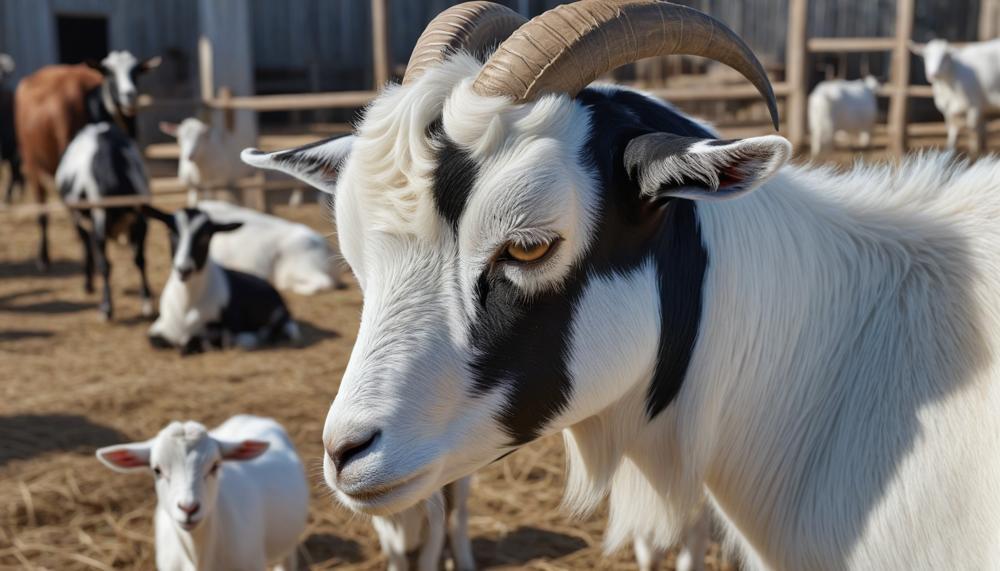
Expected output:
(473, 26)
(571, 45)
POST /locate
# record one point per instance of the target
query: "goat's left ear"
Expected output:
(149, 64)
(667, 165)
(243, 449)
(226, 226)
(317, 163)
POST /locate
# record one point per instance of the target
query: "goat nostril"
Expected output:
(351, 449)
(189, 509)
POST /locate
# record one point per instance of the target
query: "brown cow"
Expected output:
(54, 103)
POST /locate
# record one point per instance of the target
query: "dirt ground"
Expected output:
(70, 383)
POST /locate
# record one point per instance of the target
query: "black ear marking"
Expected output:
(157, 214)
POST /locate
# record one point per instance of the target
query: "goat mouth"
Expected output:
(378, 498)
(188, 525)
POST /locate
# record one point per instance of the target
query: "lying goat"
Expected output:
(232, 498)
(204, 302)
(841, 106)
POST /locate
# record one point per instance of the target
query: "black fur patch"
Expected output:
(454, 176)
(254, 306)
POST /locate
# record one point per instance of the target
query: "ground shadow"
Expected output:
(54, 306)
(328, 548)
(310, 335)
(28, 269)
(25, 436)
(20, 334)
(524, 544)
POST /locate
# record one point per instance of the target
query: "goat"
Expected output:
(209, 156)
(966, 85)
(235, 497)
(8, 141)
(817, 353)
(54, 103)
(102, 162)
(204, 303)
(840, 106)
(424, 527)
(291, 256)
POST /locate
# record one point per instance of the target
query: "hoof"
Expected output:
(88, 288)
(42, 265)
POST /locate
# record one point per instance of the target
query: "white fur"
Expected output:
(250, 512)
(966, 84)
(291, 256)
(209, 155)
(120, 64)
(839, 106)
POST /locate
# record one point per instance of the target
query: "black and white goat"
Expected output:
(820, 354)
(102, 162)
(204, 304)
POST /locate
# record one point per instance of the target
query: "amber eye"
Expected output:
(529, 253)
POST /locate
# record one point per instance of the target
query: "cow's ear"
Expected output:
(317, 163)
(670, 166)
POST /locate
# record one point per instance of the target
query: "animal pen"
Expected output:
(225, 88)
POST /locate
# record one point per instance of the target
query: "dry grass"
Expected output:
(71, 384)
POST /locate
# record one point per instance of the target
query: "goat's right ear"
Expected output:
(157, 214)
(317, 163)
(126, 458)
(168, 128)
(915, 48)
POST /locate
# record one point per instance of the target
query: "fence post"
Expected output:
(205, 72)
(796, 56)
(900, 77)
(380, 43)
(988, 20)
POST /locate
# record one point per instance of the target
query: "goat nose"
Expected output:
(189, 509)
(342, 453)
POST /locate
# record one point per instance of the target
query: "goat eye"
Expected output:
(527, 253)
(157, 472)
(214, 469)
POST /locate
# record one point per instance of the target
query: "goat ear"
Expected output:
(915, 48)
(317, 164)
(157, 214)
(226, 226)
(168, 128)
(96, 65)
(150, 64)
(126, 458)
(243, 450)
(670, 166)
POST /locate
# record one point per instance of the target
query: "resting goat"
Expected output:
(291, 256)
(206, 304)
(840, 106)
(232, 498)
(102, 162)
(818, 353)
(966, 85)
(55, 102)
(424, 526)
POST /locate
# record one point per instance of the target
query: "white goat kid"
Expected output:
(966, 85)
(819, 354)
(204, 303)
(291, 256)
(208, 155)
(424, 526)
(841, 107)
(232, 498)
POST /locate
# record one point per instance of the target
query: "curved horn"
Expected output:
(472, 26)
(568, 47)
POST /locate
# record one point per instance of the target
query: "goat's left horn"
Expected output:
(473, 26)
(571, 45)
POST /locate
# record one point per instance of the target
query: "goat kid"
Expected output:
(235, 497)
(845, 107)
(204, 304)
(102, 162)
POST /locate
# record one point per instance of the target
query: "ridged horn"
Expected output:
(471, 26)
(568, 47)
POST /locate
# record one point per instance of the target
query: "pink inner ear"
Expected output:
(248, 449)
(125, 459)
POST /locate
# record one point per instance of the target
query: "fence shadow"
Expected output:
(25, 436)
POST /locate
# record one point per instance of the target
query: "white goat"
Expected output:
(424, 527)
(844, 107)
(232, 498)
(209, 155)
(291, 256)
(203, 302)
(966, 84)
